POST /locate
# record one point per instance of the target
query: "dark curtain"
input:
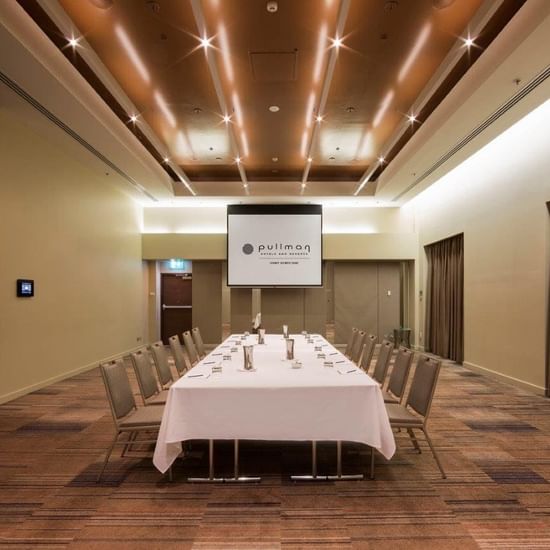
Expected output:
(445, 299)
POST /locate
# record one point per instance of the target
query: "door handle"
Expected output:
(164, 306)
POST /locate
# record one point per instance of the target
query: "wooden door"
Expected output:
(176, 305)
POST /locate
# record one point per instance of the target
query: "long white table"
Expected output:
(275, 402)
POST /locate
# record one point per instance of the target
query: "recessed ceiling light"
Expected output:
(197, 110)
(274, 108)
(412, 118)
(337, 42)
(331, 158)
(73, 42)
(133, 118)
(275, 159)
(319, 118)
(226, 118)
(166, 159)
(309, 159)
(238, 160)
(350, 109)
(468, 42)
(381, 160)
(303, 185)
(218, 158)
(205, 42)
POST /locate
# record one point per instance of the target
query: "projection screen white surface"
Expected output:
(275, 247)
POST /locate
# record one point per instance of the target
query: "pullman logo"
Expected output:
(248, 249)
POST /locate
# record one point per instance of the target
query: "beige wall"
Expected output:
(497, 198)
(341, 246)
(76, 234)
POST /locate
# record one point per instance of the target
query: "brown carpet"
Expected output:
(494, 441)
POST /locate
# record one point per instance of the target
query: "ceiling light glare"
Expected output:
(73, 42)
(205, 42)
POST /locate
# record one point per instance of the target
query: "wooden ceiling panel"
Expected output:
(258, 59)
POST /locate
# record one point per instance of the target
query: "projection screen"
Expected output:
(274, 245)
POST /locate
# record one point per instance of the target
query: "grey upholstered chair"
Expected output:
(395, 391)
(190, 348)
(368, 352)
(148, 386)
(357, 348)
(351, 340)
(199, 344)
(413, 415)
(382, 362)
(160, 357)
(180, 359)
(127, 417)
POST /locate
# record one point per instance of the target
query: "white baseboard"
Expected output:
(43, 383)
(539, 390)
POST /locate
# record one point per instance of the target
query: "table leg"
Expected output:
(339, 475)
(236, 478)
(210, 478)
(313, 476)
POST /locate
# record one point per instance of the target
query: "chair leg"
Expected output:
(131, 437)
(414, 440)
(107, 457)
(443, 474)
(170, 477)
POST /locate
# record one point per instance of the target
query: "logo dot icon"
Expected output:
(248, 248)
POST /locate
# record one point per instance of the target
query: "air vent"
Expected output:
(274, 66)
(69, 131)
(525, 91)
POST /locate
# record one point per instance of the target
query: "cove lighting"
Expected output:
(132, 53)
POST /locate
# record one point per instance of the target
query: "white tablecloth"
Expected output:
(276, 402)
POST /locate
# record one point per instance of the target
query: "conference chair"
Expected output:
(395, 392)
(351, 340)
(190, 348)
(382, 362)
(147, 382)
(413, 415)
(357, 349)
(127, 417)
(368, 352)
(162, 366)
(199, 344)
(180, 359)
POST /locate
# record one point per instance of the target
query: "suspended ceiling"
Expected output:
(396, 59)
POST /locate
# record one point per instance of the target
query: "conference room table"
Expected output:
(280, 400)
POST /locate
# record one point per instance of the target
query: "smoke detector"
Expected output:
(272, 6)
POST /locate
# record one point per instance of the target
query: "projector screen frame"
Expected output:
(274, 209)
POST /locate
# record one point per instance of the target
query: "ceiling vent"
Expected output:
(5, 79)
(274, 66)
(514, 100)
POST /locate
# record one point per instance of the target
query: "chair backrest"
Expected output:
(117, 385)
(383, 361)
(164, 372)
(368, 352)
(199, 344)
(147, 382)
(190, 347)
(351, 340)
(358, 344)
(400, 372)
(423, 385)
(180, 360)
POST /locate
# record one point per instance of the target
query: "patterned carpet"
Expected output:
(494, 441)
